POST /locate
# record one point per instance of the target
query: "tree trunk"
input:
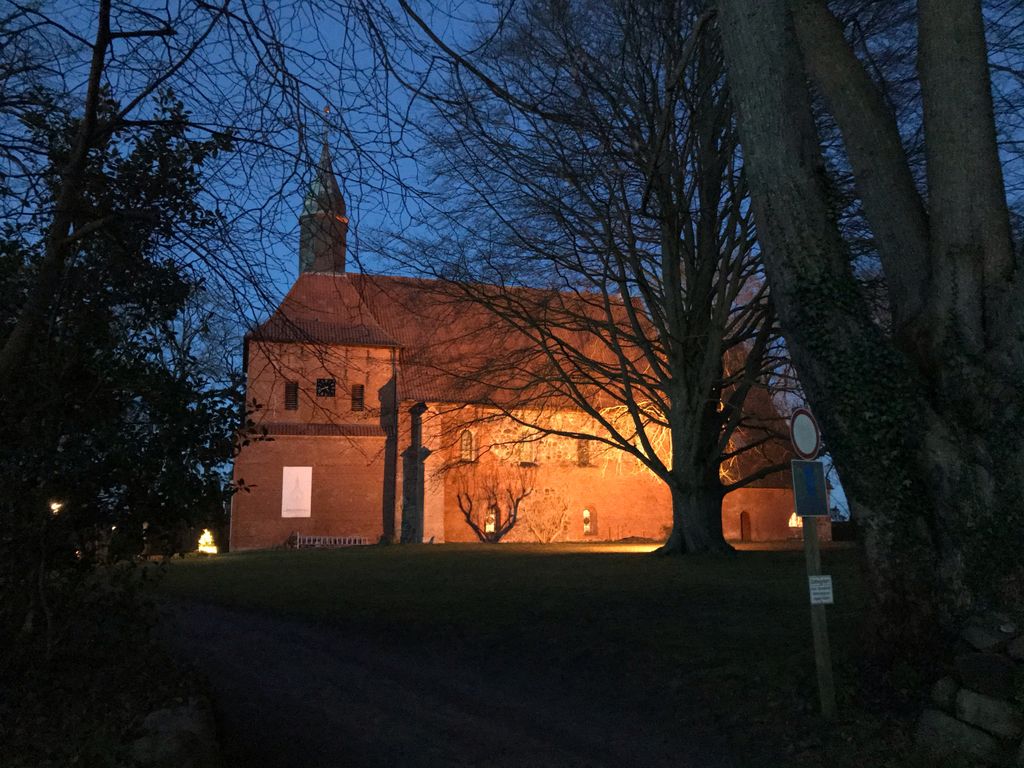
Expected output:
(929, 454)
(863, 391)
(32, 314)
(872, 141)
(972, 301)
(696, 514)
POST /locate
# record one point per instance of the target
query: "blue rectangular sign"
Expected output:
(809, 489)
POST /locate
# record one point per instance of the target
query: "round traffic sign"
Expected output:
(804, 433)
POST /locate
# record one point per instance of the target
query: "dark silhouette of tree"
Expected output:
(594, 201)
(932, 393)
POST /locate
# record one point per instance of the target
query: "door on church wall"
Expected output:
(745, 526)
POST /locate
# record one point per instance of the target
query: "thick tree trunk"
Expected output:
(864, 392)
(928, 445)
(972, 300)
(873, 146)
(696, 514)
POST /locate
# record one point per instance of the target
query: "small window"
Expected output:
(358, 399)
(583, 453)
(291, 395)
(489, 522)
(467, 451)
(325, 387)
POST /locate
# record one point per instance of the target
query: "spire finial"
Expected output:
(323, 223)
(325, 169)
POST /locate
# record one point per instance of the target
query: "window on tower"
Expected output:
(358, 397)
(291, 395)
(325, 387)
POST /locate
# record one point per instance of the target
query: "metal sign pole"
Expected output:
(810, 494)
(819, 624)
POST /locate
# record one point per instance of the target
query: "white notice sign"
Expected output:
(821, 590)
(296, 491)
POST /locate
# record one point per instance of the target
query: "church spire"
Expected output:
(323, 224)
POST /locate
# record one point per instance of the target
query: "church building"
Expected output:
(367, 428)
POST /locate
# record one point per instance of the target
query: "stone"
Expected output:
(164, 749)
(1008, 628)
(981, 639)
(944, 737)
(989, 673)
(177, 737)
(995, 618)
(999, 718)
(1016, 649)
(944, 693)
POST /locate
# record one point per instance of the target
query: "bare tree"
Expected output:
(146, 153)
(490, 496)
(250, 78)
(547, 522)
(936, 400)
(589, 151)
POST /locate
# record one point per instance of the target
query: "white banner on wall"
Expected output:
(296, 491)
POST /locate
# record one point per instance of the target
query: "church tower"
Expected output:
(323, 224)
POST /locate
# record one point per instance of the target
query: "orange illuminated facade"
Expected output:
(376, 432)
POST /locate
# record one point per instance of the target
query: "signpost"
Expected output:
(804, 433)
(821, 590)
(810, 493)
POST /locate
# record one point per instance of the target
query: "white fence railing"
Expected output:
(300, 541)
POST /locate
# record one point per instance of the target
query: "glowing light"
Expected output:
(796, 522)
(206, 543)
(56, 507)
(619, 549)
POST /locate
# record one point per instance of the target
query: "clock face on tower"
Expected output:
(325, 387)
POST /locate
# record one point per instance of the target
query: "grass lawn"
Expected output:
(723, 637)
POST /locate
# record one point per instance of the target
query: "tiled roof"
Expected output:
(454, 349)
(323, 309)
(283, 328)
(326, 430)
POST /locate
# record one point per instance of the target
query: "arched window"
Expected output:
(583, 453)
(467, 450)
(527, 450)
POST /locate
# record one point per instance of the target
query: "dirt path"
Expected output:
(299, 695)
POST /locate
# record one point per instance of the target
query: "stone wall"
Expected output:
(975, 714)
